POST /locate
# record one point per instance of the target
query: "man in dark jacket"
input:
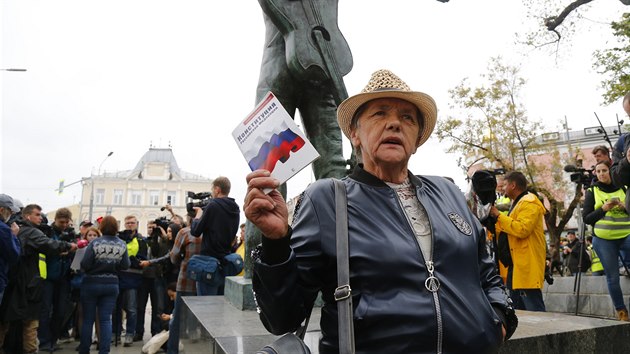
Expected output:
(218, 222)
(23, 296)
(572, 252)
(56, 299)
(130, 279)
(9, 245)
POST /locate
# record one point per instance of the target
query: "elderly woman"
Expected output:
(604, 208)
(403, 229)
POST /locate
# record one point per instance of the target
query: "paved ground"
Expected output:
(136, 348)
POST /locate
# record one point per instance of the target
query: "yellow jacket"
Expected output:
(526, 236)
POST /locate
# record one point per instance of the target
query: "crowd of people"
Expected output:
(414, 244)
(93, 286)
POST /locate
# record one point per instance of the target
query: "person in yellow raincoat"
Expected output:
(527, 246)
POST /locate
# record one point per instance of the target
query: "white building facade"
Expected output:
(156, 181)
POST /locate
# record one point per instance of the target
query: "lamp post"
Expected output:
(12, 69)
(92, 181)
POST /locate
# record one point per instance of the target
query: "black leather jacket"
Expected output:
(393, 310)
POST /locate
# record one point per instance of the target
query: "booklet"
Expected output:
(269, 139)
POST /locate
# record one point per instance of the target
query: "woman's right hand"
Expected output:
(609, 205)
(267, 211)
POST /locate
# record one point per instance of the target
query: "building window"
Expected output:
(171, 198)
(154, 197)
(136, 198)
(99, 197)
(118, 197)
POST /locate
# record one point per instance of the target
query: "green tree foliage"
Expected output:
(614, 63)
(492, 130)
(492, 125)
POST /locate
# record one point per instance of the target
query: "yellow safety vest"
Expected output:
(42, 266)
(503, 200)
(133, 247)
(616, 223)
(596, 264)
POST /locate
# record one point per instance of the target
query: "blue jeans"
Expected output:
(177, 318)
(528, 299)
(156, 289)
(54, 310)
(608, 252)
(525, 299)
(127, 300)
(102, 298)
(204, 288)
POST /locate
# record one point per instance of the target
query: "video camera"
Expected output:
(580, 175)
(162, 222)
(203, 200)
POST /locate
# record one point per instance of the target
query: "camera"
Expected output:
(68, 235)
(16, 218)
(580, 175)
(203, 200)
(162, 222)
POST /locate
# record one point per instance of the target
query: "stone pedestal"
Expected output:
(593, 300)
(225, 330)
(238, 292)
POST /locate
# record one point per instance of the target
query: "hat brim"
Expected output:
(425, 103)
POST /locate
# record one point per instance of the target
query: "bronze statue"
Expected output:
(304, 60)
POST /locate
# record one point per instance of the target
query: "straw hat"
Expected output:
(385, 84)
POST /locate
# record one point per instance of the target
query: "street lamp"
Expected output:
(92, 193)
(12, 69)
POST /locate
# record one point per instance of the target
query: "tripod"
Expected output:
(578, 277)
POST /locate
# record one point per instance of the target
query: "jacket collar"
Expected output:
(363, 176)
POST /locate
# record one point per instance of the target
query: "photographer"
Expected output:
(218, 223)
(177, 219)
(155, 274)
(56, 299)
(604, 209)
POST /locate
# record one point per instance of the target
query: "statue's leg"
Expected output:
(274, 77)
(319, 115)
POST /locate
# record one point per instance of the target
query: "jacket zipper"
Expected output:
(431, 283)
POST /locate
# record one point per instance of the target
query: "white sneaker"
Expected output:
(128, 341)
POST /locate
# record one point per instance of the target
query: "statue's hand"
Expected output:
(267, 211)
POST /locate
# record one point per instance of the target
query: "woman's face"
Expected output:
(603, 173)
(387, 133)
(91, 235)
(169, 234)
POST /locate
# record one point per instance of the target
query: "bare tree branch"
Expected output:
(554, 21)
(466, 142)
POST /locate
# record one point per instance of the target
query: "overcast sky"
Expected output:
(121, 75)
